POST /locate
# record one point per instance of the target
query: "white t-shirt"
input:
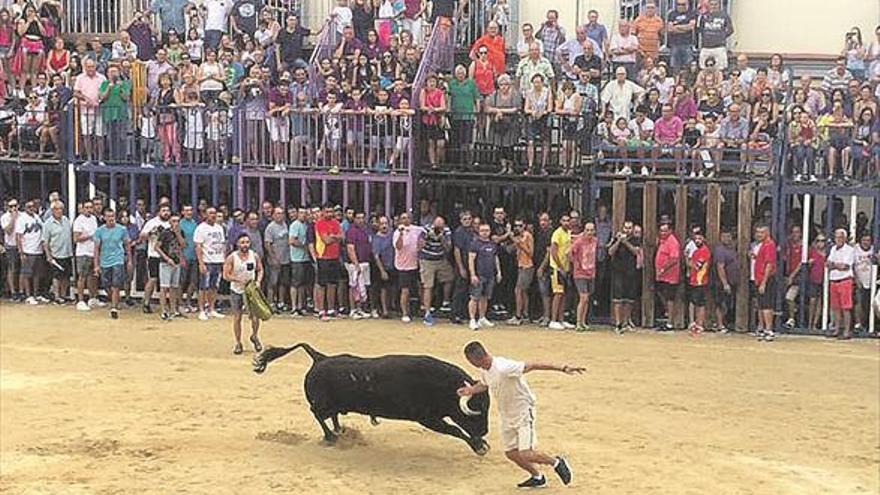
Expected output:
(151, 228)
(863, 266)
(213, 241)
(5, 221)
(31, 230)
(344, 17)
(647, 126)
(509, 388)
(87, 226)
(216, 14)
(844, 254)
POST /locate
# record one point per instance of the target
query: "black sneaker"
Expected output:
(165, 316)
(147, 309)
(533, 482)
(129, 302)
(114, 313)
(563, 470)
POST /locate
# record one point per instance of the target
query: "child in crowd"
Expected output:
(195, 46)
(332, 131)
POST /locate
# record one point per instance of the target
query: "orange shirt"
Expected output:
(647, 29)
(496, 53)
(524, 250)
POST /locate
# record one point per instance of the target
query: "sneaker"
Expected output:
(580, 327)
(813, 178)
(563, 470)
(543, 321)
(514, 321)
(357, 315)
(147, 309)
(374, 314)
(215, 314)
(626, 170)
(723, 330)
(178, 316)
(618, 329)
(769, 336)
(533, 482)
(645, 171)
(238, 349)
(692, 175)
(203, 316)
(485, 323)
(114, 314)
(555, 325)
(428, 319)
(473, 325)
(334, 170)
(798, 177)
(406, 319)
(324, 316)
(43, 300)
(165, 316)
(82, 306)
(568, 326)
(790, 323)
(31, 301)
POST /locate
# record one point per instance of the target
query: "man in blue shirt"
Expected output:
(189, 276)
(112, 249)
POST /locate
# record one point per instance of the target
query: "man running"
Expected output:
(516, 404)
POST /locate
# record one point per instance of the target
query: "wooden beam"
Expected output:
(681, 222)
(618, 205)
(713, 233)
(745, 205)
(649, 246)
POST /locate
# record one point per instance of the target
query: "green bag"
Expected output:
(256, 302)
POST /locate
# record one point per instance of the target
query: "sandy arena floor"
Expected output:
(92, 406)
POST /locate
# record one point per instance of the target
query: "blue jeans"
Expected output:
(212, 39)
(680, 56)
(803, 158)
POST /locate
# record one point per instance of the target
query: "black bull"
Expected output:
(414, 388)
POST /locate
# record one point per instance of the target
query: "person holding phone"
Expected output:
(241, 267)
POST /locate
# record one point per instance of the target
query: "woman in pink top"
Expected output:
(683, 104)
(432, 103)
(583, 263)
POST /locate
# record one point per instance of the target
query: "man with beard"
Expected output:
(541, 259)
(241, 267)
(699, 263)
(502, 234)
(667, 263)
(150, 234)
(112, 248)
(461, 241)
(623, 251)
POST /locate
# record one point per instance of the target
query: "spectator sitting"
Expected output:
(668, 134)
(734, 131)
(836, 78)
(527, 38)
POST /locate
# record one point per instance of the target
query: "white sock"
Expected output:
(556, 463)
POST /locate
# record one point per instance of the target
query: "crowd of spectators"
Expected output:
(332, 262)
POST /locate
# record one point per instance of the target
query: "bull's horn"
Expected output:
(463, 405)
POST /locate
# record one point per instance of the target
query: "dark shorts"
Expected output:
(278, 274)
(408, 278)
(189, 276)
(484, 288)
(12, 260)
(298, 271)
(113, 277)
(31, 264)
(666, 291)
(524, 278)
(624, 286)
(433, 132)
(814, 291)
(329, 272)
(376, 277)
(544, 285)
(585, 285)
(153, 267)
(211, 278)
(723, 298)
(236, 302)
(767, 300)
(697, 295)
(66, 270)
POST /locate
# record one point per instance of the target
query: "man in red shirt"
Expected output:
(765, 269)
(667, 262)
(328, 239)
(698, 280)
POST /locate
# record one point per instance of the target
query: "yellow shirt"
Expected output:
(562, 239)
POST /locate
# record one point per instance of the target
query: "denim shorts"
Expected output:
(211, 278)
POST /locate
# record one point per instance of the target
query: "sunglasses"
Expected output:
(483, 52)
(14, 205)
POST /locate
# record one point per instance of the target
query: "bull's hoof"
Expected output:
(330, 440)
(482, 449)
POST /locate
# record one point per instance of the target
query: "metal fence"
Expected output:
(472, 20)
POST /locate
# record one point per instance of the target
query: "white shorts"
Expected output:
(279, 129)
(91, 123)
(359, 281)
(521, 438)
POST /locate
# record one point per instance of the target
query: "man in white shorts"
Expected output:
(504, 379)
(86, 92)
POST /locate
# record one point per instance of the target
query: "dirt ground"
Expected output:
(93, 406)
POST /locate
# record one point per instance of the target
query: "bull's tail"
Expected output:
(262, 360)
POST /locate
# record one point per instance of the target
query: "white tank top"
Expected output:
(243, 271)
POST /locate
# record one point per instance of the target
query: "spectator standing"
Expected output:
(210, 244)
(87, 91)
(560, 272)
(699, 265)
(865, 258)
(620, 94)
(29, 238)
(596, 31)
(115, 94)
(551, 34)
(485, 271)
(328, 249)
(765, 282)
(84, 227)
(382, 267)
(837, 78)
(58, 246)
(171, 14)
(216, 14)
(533, 64)
(359, 252)
(840, 262)
(667, 261)
(150, 234)
(524, 244)
(11, 256)
(624, 250)
(725, 279)
(189, 275)
(465, 103)
(680, 25)
(526, 40)
(300, 262)
(290, 40)
(170, 250)
(648, 27)
(583, 258)
(277, 235)
(406, 261)
(112, 249)
(494, 42)
(245, 14)
(435, 246)
(668, 134)
(140, 30)
(714, 28)
(624, 47)
(462, 237)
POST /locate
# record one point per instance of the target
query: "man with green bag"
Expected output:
(242, 267)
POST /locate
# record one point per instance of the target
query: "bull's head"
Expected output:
(475, 420)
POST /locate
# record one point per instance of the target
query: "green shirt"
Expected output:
(464, 96)
(115, 107)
